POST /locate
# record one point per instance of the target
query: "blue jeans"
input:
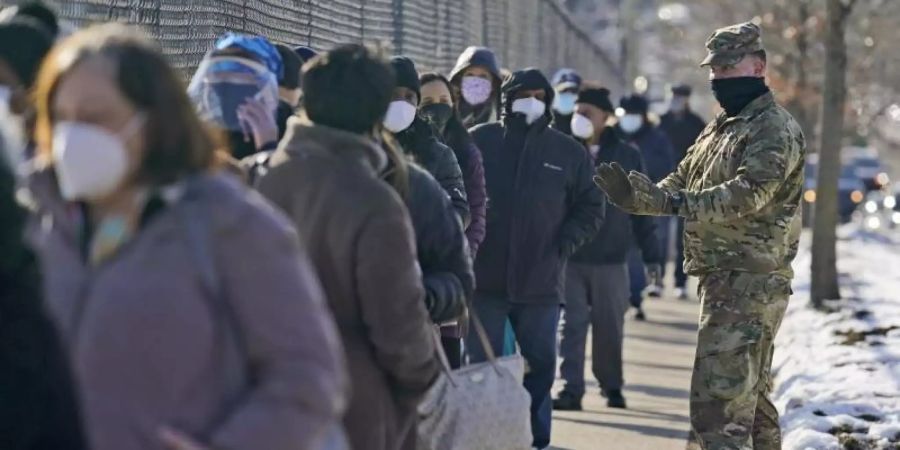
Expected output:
(636, 269)
(535, 327)
(637, 276)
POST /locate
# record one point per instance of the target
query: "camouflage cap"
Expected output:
(728, 45)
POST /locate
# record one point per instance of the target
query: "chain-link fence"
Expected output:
(433, 32)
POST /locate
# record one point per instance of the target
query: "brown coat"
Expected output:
(150, 348)
(361, 242)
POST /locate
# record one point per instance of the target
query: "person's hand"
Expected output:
(654, 274)
(258, 123)
(176, 440)
(615, 182)
(648, 197)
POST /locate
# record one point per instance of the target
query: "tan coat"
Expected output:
(362, 245)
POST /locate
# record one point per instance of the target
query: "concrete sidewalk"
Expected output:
(658, 363)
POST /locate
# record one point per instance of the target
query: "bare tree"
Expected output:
(824, 259)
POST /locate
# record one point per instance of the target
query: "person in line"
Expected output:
(476, 80)
(23, 45)
(418, 138)
(566, 83)
(441, 247)
(39, 410)
(289, 91)
(437, 107)
(597, 286)
(682, 125)
(740, 188)
(236, 90)
(190, 313)
(634, 127)
(543, 208)
(327, 176)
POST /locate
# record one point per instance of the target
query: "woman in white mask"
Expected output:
(177, 292)
(476, 86)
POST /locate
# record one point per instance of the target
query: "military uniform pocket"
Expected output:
(728, 361)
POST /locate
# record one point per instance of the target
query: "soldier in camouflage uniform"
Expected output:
(739, 191)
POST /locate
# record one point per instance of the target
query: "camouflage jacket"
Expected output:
(741, 183)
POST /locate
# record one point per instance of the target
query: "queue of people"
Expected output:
(264, 258)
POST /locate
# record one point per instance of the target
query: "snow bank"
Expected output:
(837, 374)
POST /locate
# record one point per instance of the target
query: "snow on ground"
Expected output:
(837, 374)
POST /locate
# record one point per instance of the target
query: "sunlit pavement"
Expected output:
(658, 362)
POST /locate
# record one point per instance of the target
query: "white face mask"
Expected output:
(400, 116)
(12, 131)
(582, 127)
(531, 107)
(564, 103)
(631, 122)
(476, 90)
(90, 161)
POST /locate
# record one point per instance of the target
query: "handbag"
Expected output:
(477, 407)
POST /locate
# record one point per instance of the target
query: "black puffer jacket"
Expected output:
(543, 203)
(443, 252)
(38, 405)
(620, 230)
(420, 142)
(562, 123)
(442, 248)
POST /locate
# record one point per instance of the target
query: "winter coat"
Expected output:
(682, 130)
(362, 245)
(489, 111)
(441, 247)
(38, 410)
(655, 148)
(255, 366)
(562, 123)
(543, 206)
(420, 142)
(620, 230)
(472, 165)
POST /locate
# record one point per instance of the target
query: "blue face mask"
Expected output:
(564, 103)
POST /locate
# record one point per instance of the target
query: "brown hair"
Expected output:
(177, 143)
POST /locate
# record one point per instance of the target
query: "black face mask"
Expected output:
(437, 114)
(734, 94)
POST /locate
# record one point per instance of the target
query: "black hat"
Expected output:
(634, 104)
(35, 10)
(682, 90)
(290, 76)
(526, 80)
(406, 75)
(597, 96)
(23, 45)
(305, 53)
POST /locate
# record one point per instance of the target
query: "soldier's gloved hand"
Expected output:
(614, 181)
(654, 274)
(648, 197)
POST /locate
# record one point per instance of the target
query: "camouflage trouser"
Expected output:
(730, 408)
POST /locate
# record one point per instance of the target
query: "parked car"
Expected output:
(851, 191)
(867, 166)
